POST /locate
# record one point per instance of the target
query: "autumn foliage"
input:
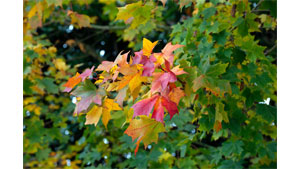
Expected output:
(192, 82)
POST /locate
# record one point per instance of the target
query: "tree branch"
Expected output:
(107, 27)
(257, 5)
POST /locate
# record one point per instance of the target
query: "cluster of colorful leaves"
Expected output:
(143, 68)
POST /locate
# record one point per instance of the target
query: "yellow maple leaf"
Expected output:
(93, 115)
(103, 111)
(108, 106)
(134, 81)
(148, 46)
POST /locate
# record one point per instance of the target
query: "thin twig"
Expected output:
(86, 38)
(270, 50)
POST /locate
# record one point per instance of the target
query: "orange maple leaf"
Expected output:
(72, 82)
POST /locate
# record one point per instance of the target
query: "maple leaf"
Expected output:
(107, 107)
(121, 59)
(96, 112)
(86, 73)
(133, 77)
(148, 46)
(144, 129)
(129, 70)
(159, 59)
(144, 107)
(88, 94)
(168, 52)
(210, 80)
(134, 82)
(72, 82)
(93, 116)
(162, 79)
(158, 112)
(176, 94)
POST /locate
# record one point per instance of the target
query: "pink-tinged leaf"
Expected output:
(144, 107)
(162, 80)
(169, 48)
(137, 58)
(156, 84)
(121, 60)
(148, 69)
(166, 78)
(97, 99)
(148, 63)
(168, 51)
(88, 94)
(85, 102)
(105, 66)
(170, 106)
(121, 96)
(86, 73)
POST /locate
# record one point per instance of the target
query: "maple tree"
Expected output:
(199, 92)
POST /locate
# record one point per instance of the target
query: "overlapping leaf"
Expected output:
(144, 129)
(88, 94)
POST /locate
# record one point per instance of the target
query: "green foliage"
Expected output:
(223, 120)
